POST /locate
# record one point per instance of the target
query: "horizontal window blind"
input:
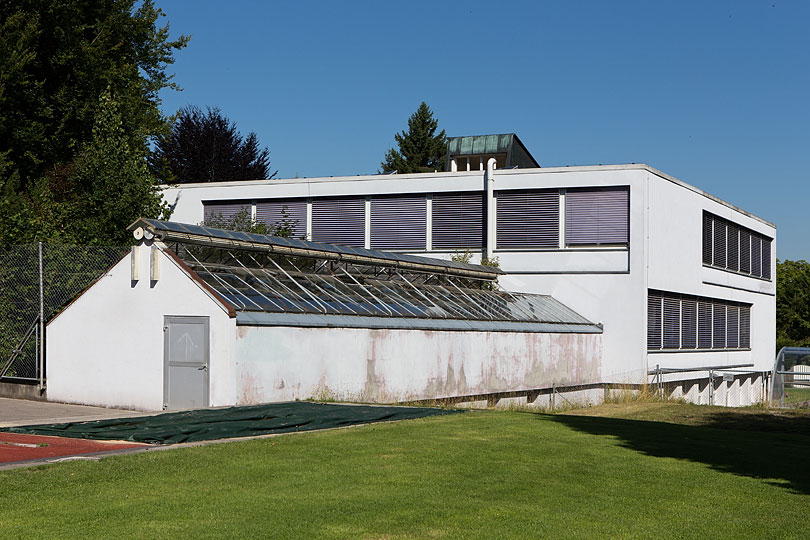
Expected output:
(689, 329)
(225, 210)
(745, 327)
(687, 322)
(654, 322)
(528, 219)
(672, 323)
(399, 222)
(272, 213)
(719, 326)
(339, 221)
(597, 216)
(732, 327)
(707, 239)
(704, 324)
(730, 246)
(458, 220)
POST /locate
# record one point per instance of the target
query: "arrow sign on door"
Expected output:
(186, 340)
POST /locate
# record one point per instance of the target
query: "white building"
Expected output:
(678, 278)
(617, 272)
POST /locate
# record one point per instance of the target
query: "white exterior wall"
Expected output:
(675, 264)
(107, 347)
(281, 363)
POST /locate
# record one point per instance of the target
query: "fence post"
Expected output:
(41, 324)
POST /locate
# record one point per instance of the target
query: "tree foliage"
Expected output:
(57, 60)
(421, 149)
(243, 221)
(792, 304)
(204, 146)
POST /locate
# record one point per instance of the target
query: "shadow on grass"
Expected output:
(762, 446)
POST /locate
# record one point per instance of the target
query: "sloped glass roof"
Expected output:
(250, 282)
(196, 234)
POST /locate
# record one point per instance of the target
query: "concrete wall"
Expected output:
(107, 347)
(280, 363)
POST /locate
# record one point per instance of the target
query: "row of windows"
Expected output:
(684, 322)
(525, 218)
(732, 247)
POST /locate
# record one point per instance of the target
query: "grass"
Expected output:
(635, 470)
(796, 395)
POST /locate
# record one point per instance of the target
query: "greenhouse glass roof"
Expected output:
(309, 286)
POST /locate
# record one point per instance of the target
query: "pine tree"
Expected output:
(420, 149)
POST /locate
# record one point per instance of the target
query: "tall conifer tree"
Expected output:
(421, 149)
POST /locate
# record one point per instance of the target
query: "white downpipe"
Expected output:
(490, 185)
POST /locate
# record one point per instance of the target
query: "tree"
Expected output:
(420, 149)
(206, 147)
(792, 304)
(56, 59)
(243, 221)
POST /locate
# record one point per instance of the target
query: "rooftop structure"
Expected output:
(472, 153)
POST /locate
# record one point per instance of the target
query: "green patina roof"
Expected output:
(504, 143)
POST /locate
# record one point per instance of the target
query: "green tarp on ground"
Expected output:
(209, 424)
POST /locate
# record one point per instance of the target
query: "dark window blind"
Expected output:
(707, 238)
(732, 327)
(685, 322)
(597, 216)
(688, 323)
(528, 219)
(458, 220)
(719, 326)
(756, 256)
(732, 247)
(745, 251)
(399, 222)
(672, 323)
(719, 251)
(654, 321)
(766, 258)
(339, 221)
(733, 251)
(745, 327)
(705, 324)
(272, 213)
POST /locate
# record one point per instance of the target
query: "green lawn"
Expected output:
(630, 471)
(799, 394)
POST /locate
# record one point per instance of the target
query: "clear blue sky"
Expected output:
(714, 93)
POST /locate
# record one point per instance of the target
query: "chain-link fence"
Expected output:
(40, 280)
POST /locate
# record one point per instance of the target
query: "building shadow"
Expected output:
(763, 446)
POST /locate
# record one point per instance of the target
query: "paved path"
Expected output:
(23, 412)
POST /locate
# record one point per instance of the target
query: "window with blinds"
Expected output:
(597, 216)
(654, 322)
(685, 322)
(399, 222)
(280, 212)
(458, 220)
(732, 247)
(339, 221)
(528, 219)
(225, 211)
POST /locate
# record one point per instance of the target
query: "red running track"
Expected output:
(16, 447)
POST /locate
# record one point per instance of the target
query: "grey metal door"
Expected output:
(185, 357)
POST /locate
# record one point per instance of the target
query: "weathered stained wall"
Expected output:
(282, 363)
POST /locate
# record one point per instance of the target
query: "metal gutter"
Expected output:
(311, 320)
